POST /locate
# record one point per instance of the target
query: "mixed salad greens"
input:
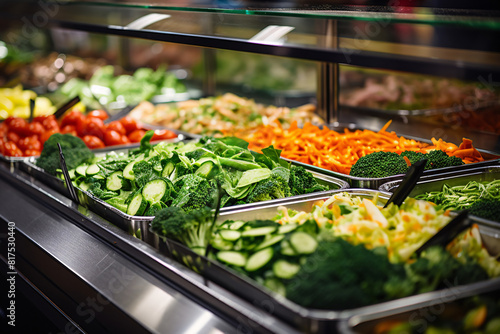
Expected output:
(346, 252)
(145, 180)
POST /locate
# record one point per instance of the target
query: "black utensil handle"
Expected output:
(446, 235)
(32, 110)
(409, 181)
(59, 112)
(67, 179)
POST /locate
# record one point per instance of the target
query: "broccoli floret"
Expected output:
(439, 159)
(195, 193)
(192, 229)
(302, 181)
(345, 276)
(379, 164)
(100, 191)
(271, 188)
(144, 172)
(413, 156)
(74, 149)
(487, 209)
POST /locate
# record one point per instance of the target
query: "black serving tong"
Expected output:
(59, 112)
(445, 235)
(409, 182)
(120, 114)
(67, 179)
(32, 110)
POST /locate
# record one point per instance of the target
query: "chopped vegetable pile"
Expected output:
(224, 113)
(338, 152)
(347, 252)
(186, 176)
(481, 198)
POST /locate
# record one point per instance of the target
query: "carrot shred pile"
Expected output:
(338, 151)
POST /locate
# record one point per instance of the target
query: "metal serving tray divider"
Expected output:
(139, 225)
(311, 320)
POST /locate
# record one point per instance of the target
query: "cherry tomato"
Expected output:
(30, 153)
(112, 137)
(69, 129)
(94, 127)
(35, 128)
(136, 136)
(3, 129)
(40, 119)
(2, 146)
(117, 126)
(163, 134)
(12, 150)
(80, 126)
(98, 114)
(71, 118)
(125, 140)
(9, 120)
(93, 142)
(50, 123)
(19, 126)
(129, 124)
(13, 137)
(30, 143)
(46, 135)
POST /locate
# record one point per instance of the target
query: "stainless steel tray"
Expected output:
(139, 225)
(310, 320)
(436, 182)
(375, 183)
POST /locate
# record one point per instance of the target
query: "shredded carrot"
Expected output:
(408, 162)
(338, 151)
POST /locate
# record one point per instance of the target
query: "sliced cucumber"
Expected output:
(233, 258)
(287, 250)
(205, 169)
(71, 174)
(259, 231)
(303, 243)
(114, 181)
(230, 235)
(137, 205)
(275, 285)
(237, 225)
(287, 228)
(81, 170)
(169, 168)
(98, 177)
(221, 244)
(271, 241)
(259, 259)
(128, 171)
(154, 191)
(284, 269)
(84, 186)
(118, 203)
(92, 169)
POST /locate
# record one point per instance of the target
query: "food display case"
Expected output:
(423, 69)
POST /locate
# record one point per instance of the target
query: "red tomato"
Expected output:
(2, 146)
(93, 142)
(94, 127)
(112, 137)
(129, 124)
(13, 137)
(35, 128)
(69, 129)
(50, 123)
(40, 119)
(125, 140)
(19, 126)
(163, 134)
(46, 135)
(3, 129)
(117, 126)
(136, 136)
(12, 150)
(9, 120)
(98, 114)
(71, 118)
(30, 143)
(30, 153)
(80, 126)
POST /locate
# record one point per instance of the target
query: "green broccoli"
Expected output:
(271, 188)
(339, 275)
(74, 149)
(486, 208)
(413, 156)
(379, 164)
(144, 172)
(439, 159)
(194, 192)
(192, 229)
(302, 181)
